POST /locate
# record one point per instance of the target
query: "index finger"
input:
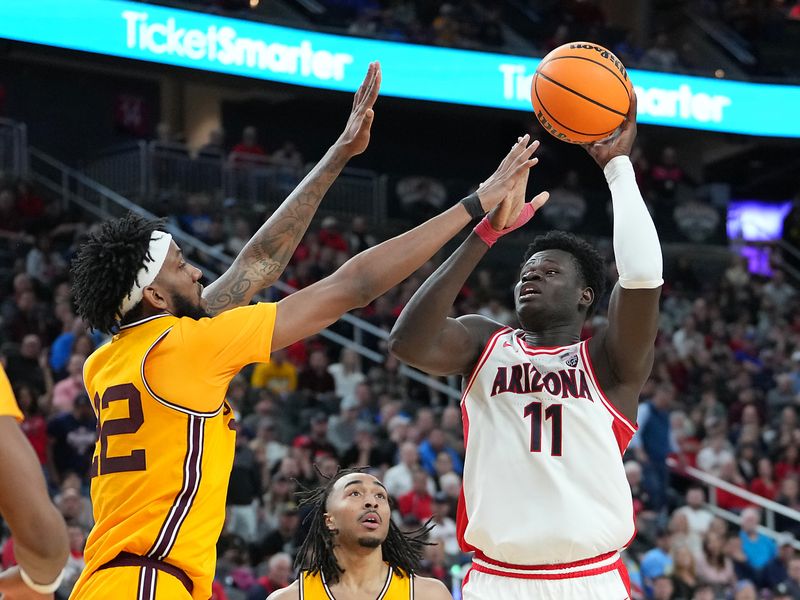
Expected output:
(374, 88)
(364, 84)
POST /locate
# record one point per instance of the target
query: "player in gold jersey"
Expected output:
(40, 536)
(166, 438)
(354, 551)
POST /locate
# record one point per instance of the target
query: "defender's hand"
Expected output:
(620, 144)
(355, 137)
(501, 183)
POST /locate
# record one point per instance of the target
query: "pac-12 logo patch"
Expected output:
(571, 360)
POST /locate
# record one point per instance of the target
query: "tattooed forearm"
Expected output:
(266, 255)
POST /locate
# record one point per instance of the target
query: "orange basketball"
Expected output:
(581, 92)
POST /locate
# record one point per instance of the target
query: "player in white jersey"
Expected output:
(545, 505)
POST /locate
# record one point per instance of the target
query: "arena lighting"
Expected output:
(250, 49)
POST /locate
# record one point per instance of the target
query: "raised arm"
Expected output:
(266, 255)
(623, 353)
(424, 336)
(40, 536)
(374, 271)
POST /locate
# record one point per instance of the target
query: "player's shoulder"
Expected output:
(430, 589)
(481, 328)
(288, 593)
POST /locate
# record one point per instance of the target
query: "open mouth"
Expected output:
(528, 291)
(371, 521)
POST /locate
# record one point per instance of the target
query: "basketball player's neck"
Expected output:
(363, 567)
(555, 335)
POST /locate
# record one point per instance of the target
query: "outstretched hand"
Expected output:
(508, 175)
(355, 137)
(619, 144)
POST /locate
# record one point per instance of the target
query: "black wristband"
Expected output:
(473, 205)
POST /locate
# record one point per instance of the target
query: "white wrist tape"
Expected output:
(48, 588)
(636, 246)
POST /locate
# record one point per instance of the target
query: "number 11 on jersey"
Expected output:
(551, 413)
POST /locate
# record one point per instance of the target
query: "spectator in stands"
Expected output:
(75, 561)
(365, 451)
(244, 490)
(757, 547)
(34, 425)
(330, 235)
(347, 373)
(666, 175)
(663, 588)
(789, 495)
(779, 291)
(444, 532)
(418, 502)
(434, 443)
(278, 375)
(282, 539)
(713, 566)
(214, 148)
(657, 562)
(652, 442)
(764, 484)
(289, 164)
(359, 238)
(716, 450)
(315, 378)
(698, 516)
(320, 446)
(661, 56)
(777, 570)
(72, 437)
(43, 263)
(267, 448)
(29, 366)
(792, 581)
(342, 427)
(729, 472)
(684, 575)
(248, 151)
(69, 388)
(399, 479)
(279, 576)
(196, 220)
(25, 316)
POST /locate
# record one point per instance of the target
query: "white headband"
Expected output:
(153, 261)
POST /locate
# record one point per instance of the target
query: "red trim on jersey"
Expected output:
(539, 349)
(623, 434)
(615, 566)
(462, 519)
(626, 578)
(606, 402)
(487, 350)
(552, 567)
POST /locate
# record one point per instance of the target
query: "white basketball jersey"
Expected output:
(543, 476)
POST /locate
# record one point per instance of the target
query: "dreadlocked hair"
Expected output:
(591, 268)
(105, 268)
(401, 551)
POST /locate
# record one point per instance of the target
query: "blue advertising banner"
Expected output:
(249, 49)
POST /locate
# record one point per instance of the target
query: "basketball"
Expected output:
(581, 92)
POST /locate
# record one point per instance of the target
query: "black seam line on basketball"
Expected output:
(549, 114)
(607, 68)
(577, 93)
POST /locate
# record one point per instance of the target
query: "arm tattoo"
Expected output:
(266, 255)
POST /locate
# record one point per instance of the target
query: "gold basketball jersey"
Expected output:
(165, 437)
(314, 587)
(8, 405)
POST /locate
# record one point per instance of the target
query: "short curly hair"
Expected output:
(591, 268)
(105, 268)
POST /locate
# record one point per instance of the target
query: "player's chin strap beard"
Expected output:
(154, 258)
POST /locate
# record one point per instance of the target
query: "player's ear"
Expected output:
(587, 297)
(330, 523)
(155, 298)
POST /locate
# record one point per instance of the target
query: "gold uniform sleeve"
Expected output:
(8, 405)
(207, 353)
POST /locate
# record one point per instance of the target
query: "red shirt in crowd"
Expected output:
(419, 505)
